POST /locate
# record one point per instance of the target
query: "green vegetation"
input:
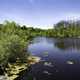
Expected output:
(12, 45)
(15, 38)
(65, 29)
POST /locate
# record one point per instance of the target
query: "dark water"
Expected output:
(60, 59)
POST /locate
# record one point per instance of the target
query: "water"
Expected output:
(60, 59)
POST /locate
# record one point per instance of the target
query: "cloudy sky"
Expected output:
(39, 13)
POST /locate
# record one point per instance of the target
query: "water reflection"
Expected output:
(55, 64)
(66, 44)
(46, 44)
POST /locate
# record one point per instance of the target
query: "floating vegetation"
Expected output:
(3, 78)
(49, 64)
(46, 72)
(70, 62)
(14, 70)
(33, 59)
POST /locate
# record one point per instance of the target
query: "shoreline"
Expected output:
(16, 69)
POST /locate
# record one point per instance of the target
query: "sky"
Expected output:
(39, 13)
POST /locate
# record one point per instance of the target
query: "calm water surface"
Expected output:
(60, 59)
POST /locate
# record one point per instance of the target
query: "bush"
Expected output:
(12, 45)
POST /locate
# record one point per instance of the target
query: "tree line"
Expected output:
(14, 38)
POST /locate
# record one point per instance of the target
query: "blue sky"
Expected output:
(39, 13)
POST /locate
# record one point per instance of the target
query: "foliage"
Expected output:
(13, 44)
(15, 38)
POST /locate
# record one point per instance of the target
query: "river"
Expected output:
(60, 59)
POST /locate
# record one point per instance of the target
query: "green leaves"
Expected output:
(12, 45)
(15, 38)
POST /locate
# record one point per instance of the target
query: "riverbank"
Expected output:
(14, 69)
